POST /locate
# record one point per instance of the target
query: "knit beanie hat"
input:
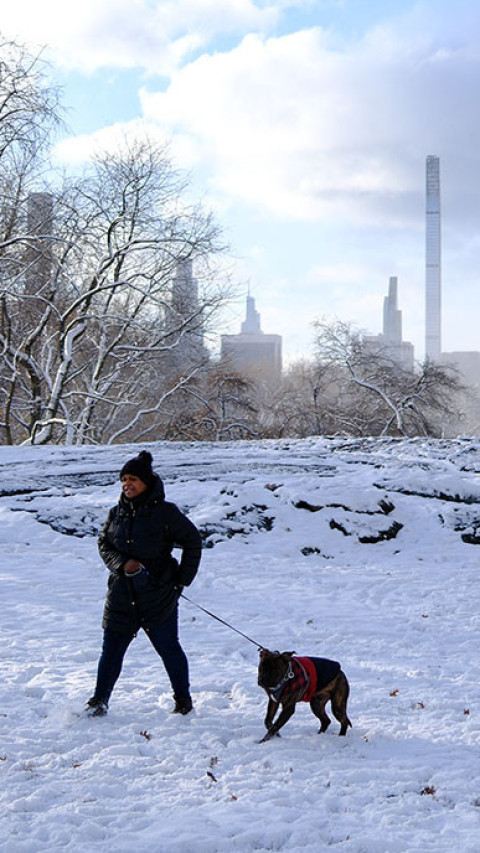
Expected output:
(140, 466)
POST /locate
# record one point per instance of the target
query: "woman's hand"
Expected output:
(131, 567)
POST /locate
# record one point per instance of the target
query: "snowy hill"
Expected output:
(363, 550)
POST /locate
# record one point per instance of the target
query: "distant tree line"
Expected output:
(346, 389)
(94, 348)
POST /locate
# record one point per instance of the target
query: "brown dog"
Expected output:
(287, 680)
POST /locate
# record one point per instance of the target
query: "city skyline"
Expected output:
(304, 125)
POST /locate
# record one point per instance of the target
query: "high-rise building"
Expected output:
(390, 342)
(184, 298)
(252, 351)
(433, 278)
(392, 317)
(251, 324)
(184, 318)
(39, 255)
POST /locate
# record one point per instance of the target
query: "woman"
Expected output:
(145, 580)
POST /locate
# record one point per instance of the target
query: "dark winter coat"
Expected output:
(146, 529)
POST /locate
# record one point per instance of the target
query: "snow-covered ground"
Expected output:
(363, 551)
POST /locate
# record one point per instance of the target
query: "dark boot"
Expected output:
(96, 707)
(183, 705)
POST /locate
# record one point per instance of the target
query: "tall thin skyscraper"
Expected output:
(389, 343)
(392, 317)
(433, 275)
(251, 324)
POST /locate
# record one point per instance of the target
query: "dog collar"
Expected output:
(276, 692)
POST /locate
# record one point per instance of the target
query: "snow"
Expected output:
(359, 550)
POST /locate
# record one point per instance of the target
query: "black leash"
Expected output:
(258, 645)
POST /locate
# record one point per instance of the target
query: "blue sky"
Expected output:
(305, 125)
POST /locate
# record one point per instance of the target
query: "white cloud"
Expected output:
(73, 152)
(76, 150)
(304, 126)
(155, 35)
(304, 129)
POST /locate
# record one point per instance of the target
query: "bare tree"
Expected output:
(217, 406)
(29, 114)
(374, 395)
(104, 346)
(94, 339)
(302, 404)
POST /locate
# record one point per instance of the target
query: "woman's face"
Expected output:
(132, 486)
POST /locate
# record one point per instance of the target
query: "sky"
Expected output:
(305, 125)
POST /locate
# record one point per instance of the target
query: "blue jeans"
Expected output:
(164, 639)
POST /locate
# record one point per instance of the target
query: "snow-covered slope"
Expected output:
(363, 551)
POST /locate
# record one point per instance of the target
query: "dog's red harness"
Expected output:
(309, 674)
(304, 676)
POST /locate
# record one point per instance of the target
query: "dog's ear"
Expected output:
(266, 653)
(287, 655)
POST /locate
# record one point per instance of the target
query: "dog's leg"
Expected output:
(272, 708)
(286, 712)
(340, 713)
(339, 702)
(317, 705)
